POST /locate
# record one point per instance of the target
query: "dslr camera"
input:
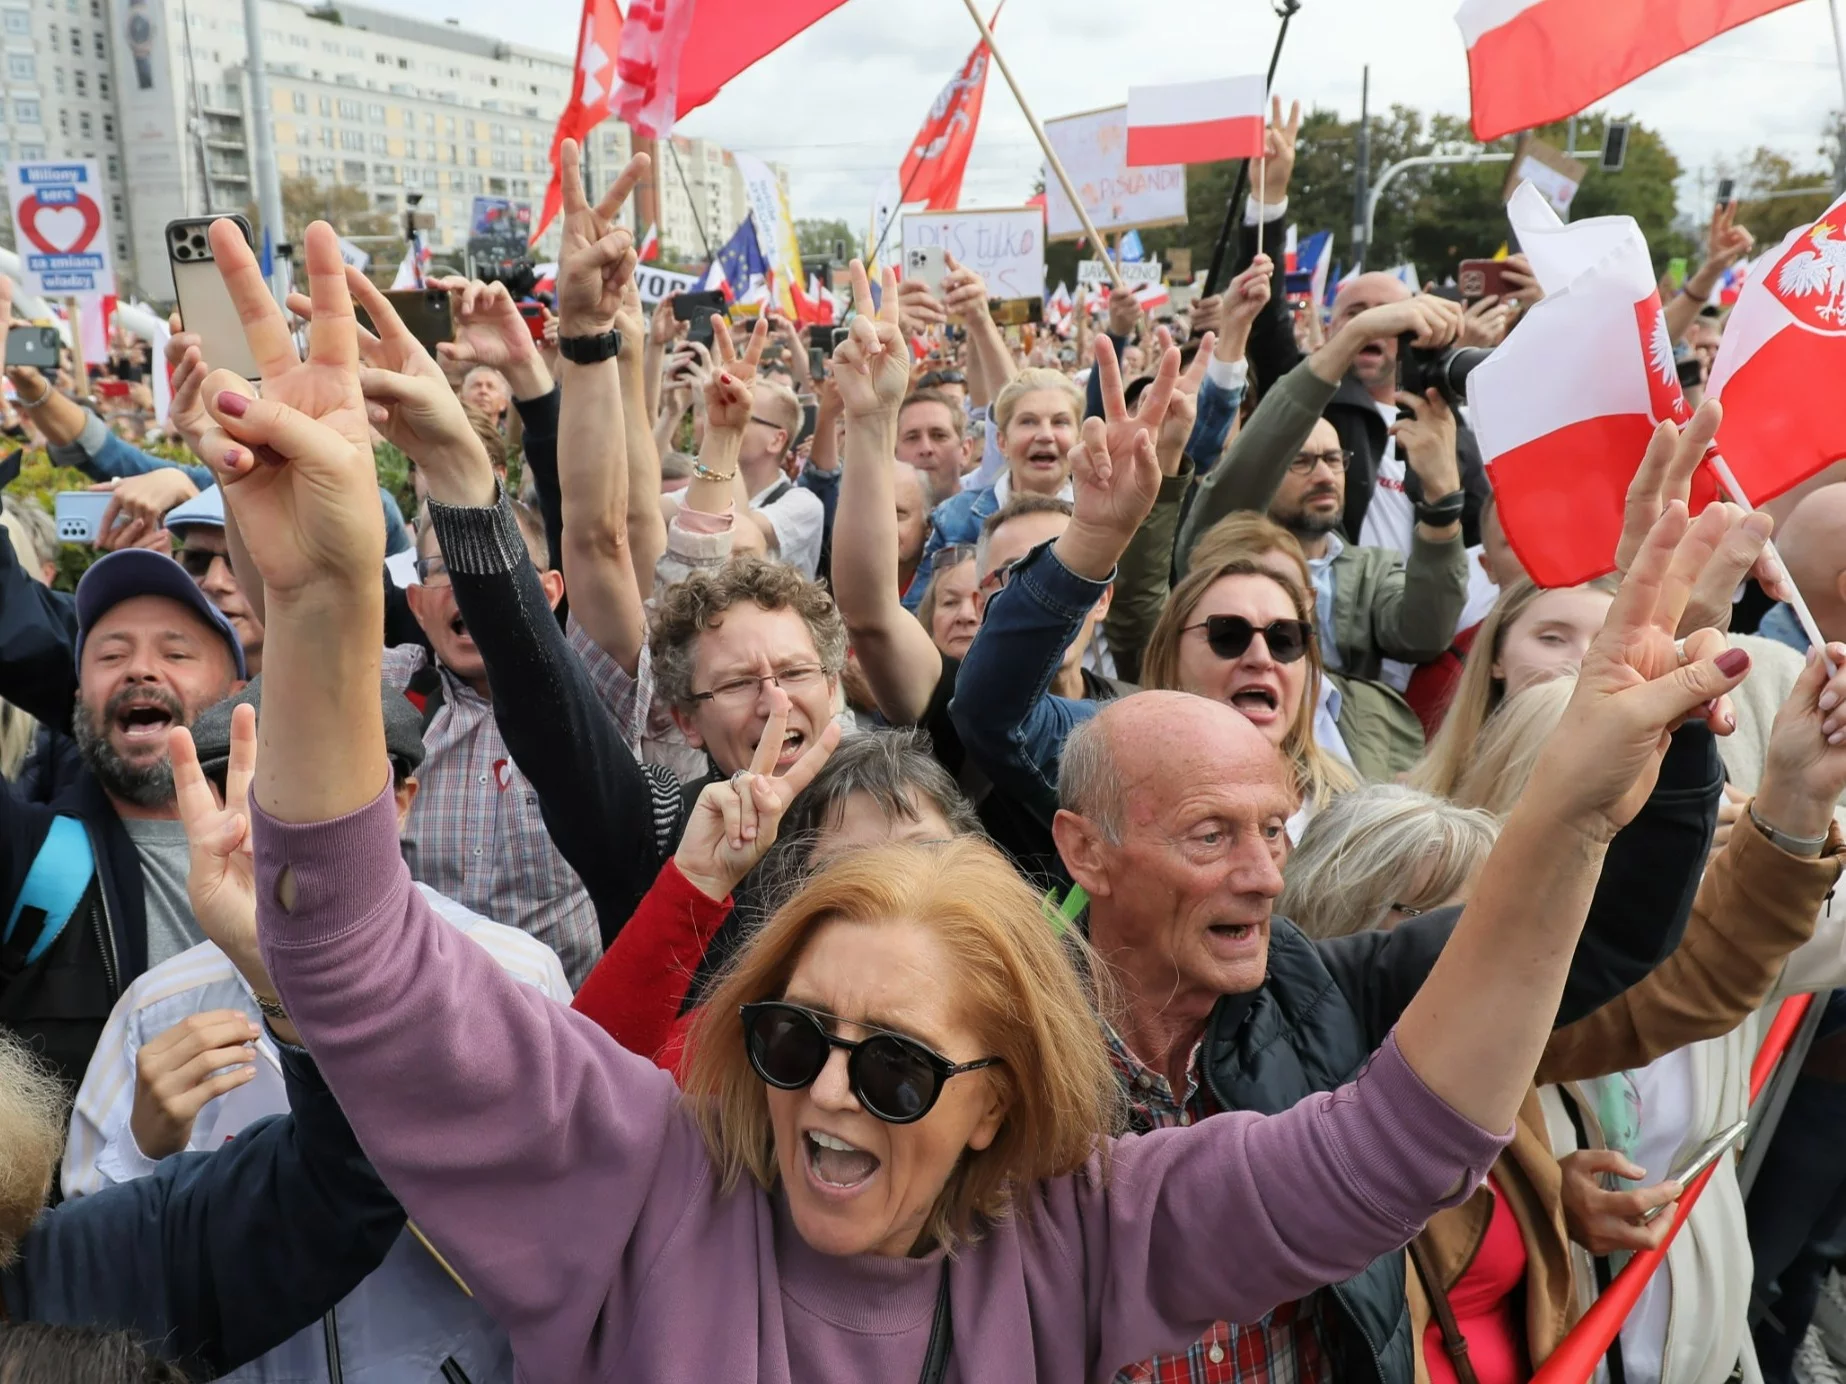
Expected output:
(1444, 369)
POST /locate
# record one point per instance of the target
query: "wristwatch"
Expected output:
(1806, 847)
(141, 43)
(588, 350)
(1439, 514)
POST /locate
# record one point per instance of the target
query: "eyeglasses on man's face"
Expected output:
(1335, 459)
(742, 692)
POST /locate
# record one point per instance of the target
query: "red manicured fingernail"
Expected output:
(233, 403)
(1732, 662)
(233, 456)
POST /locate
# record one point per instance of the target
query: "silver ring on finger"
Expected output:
(741, 779)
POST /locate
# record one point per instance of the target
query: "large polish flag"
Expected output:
(1780, 365)
(1196, 122)
(1531, 62)
(1565, 408)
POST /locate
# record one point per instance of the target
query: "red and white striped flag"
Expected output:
(591, 87)
(1196, 122)
(1781, 361)
(1531, 62)
(1565, 408)
(650, 244)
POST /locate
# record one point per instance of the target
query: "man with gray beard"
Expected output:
(94, 884)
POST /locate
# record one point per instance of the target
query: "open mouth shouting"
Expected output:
(793, 743)
(142, 716)
(1044, 458)
(1260, 703)
(835, 1168)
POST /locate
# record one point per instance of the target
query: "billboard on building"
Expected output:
(154, 148)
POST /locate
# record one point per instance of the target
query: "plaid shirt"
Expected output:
(1287, 1347)
(475, 833)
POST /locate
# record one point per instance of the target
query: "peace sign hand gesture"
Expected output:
(221, 882)
(309, 508)
(734, 823)
(728, 398)
(1183, 407)
(872, 366)
(596, 256)
(1114, 468)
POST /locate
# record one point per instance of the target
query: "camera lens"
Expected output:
(181, 252)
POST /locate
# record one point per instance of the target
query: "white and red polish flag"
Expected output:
(591, 87)
(1783, 356)
(1565, 408)
(1531, 62)
(1196, 122)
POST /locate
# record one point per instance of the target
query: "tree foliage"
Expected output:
(347, 209)
(1762, 181)
(815, 238)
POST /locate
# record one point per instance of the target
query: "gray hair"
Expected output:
(37, 526)
(32, 1110)
(1016, 506)
(1089, 781)
(1380, 847)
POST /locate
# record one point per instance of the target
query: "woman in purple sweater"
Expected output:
(892, 1159)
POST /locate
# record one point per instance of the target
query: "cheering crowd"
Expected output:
(953, 856)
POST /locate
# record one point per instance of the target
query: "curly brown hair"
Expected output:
(687, 609)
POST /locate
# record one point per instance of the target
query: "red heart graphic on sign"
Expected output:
(63, 229)
(503, 773)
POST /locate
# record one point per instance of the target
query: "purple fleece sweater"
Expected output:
(568, 1186)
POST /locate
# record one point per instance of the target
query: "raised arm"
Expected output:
(1725, 244)
(367, 972)
(596, 294)
(872, 371)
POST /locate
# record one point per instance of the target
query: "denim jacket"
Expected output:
(1009, 721)
(957, 519)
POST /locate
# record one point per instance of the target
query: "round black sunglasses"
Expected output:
(1228, 636)
(893, 1078)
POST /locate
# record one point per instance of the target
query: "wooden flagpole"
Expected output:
(1044, 142)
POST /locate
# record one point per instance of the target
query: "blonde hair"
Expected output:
(1030, 382)
(1016, 984)
(1245, 533)
(1377, 848)
(32, 1107)
(1479, 692)
(1318, 775)
(787, 402)
(1510, 743)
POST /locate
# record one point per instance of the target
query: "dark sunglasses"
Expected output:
(1228, 636)
(198, 561)
(936, 378)
(894, 1079)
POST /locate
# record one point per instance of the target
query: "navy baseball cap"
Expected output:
(131, 572)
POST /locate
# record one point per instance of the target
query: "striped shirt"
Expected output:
(475, 831)
(1286, 1347)
(102, 1148)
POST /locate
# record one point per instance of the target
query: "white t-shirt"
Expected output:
(1390, 519)
(798, 517)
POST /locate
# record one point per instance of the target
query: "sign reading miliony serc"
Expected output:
(61, 226)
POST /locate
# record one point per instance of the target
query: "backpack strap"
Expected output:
(49, 895)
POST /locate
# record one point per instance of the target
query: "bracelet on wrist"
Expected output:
(702, 472)
(1439, 514)
(1806, 847)
(271, 1007)
(41, 400)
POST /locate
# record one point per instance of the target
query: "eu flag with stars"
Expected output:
(741, 258)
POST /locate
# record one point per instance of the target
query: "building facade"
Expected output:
(358, 97)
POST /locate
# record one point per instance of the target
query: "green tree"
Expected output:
(347, 209)
(1765, 181)
(815, 238)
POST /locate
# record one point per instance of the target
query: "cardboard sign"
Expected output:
(1006, 248)
(1555, 174)
(1094, 151)
(1097, 272)
(61, 224)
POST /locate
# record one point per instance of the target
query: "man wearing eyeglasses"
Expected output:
(199, 546)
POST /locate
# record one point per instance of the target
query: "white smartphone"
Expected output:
(1703, 1157)
(205, 305)
(926, 264)
(80, 513)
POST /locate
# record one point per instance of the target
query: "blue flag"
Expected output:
(742, 257)
(1128, 249)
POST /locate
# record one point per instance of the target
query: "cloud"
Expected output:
(839, 103)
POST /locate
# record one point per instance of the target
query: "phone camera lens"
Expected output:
(181, 252)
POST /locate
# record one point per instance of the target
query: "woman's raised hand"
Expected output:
(296, 463)
(1636, 685)
(734, 823)
(872, 366)
(728, 399)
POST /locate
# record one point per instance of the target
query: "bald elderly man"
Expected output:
(1171, 818)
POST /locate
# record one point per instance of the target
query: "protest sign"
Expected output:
(1096, 272)
(61, 225)
(1094, 150)
(1006, 248)
(654, 284)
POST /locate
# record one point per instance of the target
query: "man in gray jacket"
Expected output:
(1371, 603)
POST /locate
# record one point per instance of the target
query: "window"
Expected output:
(375, 113)
(300, 103)
(324, 167)
(326, 105)
(352, 171)
(81, 81)
(102, 85)
(326, 136)
(108, 126)
(115, 206)
(499, 158)
(331, 48)
(383, 59)
(102, 51)
(474, 182)
(457, 181)
(404, 63)
(410, 118)
(303, 135)
(13, 17)
(297, 40)
(497, 133)
(449, 126)
(352, 139)
(64, 123)
(114, 166)
(84, 126)
(76, 43)
(31, 151)
(21, 67)
(380, 145)
(350, 110)
(429, 151)
(353, 50)
(25, 112)
(454, 154)
(497, 186)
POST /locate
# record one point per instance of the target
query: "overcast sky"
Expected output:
(839, 103)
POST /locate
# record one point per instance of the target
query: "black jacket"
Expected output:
(1272, 353)
(215, 1258)
(1325, 1007)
